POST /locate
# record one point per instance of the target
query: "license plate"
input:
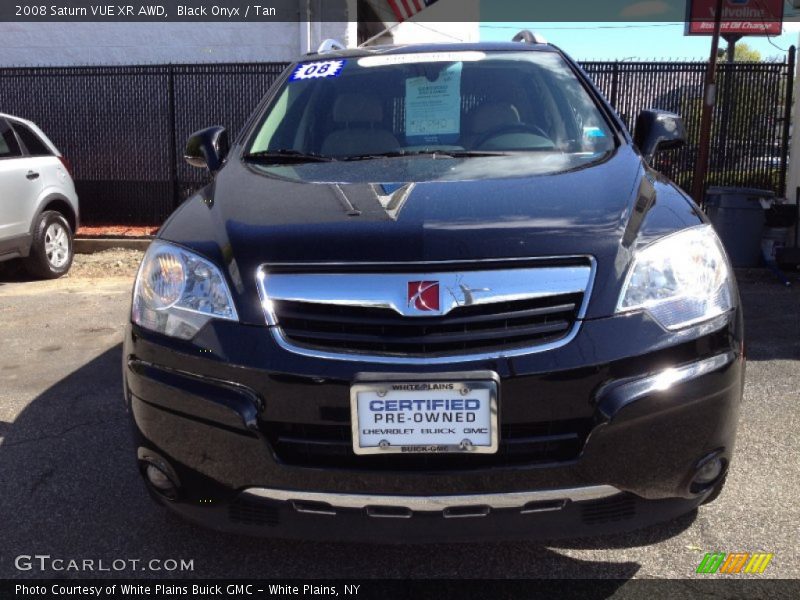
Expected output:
(430, 417)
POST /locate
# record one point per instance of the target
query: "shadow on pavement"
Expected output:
(70, 485)
(633, 539)
(12, 271)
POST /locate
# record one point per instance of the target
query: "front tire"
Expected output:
(52, 249)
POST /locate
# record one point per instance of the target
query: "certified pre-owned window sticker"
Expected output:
(433, 108)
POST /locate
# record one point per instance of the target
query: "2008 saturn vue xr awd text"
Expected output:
(435, 293)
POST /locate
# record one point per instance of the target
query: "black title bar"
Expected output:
(442, 589)
(487, 11)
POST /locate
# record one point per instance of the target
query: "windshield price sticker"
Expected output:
(318, 70)
(433, 108)
(430, 418)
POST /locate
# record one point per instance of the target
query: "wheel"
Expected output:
(51, 251)
(716, 491)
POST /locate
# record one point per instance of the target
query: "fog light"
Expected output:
(161, 482)
(708, 472)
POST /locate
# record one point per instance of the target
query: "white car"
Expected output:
(38, 204)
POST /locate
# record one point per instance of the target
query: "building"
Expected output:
(379, 23)
(130, 43)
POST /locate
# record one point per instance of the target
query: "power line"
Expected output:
(769, 39)
(437, 31)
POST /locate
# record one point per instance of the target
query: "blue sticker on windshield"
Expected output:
(593, 132)
(318, 70)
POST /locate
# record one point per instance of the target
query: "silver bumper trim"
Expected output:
(455, 505)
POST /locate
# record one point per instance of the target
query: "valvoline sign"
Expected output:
(739, 17)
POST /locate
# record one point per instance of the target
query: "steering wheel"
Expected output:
(514, 128)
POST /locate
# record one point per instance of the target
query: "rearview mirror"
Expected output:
(207, 148)
(658, 130)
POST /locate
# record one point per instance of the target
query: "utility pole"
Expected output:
(730, 51)
(793, 168)
(709, 99)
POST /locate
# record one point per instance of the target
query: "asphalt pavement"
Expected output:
(69, 488)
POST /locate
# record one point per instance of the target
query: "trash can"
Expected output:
(738, 216)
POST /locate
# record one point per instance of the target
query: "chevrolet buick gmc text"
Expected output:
(435, 293)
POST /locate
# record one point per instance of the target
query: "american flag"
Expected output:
(405, 9)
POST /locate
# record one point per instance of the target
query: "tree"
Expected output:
(744, 53)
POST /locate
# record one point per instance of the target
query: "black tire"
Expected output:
(716, 491)
(41, 265)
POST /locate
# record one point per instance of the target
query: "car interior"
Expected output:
(364, 113)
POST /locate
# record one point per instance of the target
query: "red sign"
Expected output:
(739, 17)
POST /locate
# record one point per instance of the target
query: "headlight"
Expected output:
(177, 292)
(680, 280)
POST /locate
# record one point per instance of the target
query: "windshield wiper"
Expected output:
(431, 153)
(286, 156)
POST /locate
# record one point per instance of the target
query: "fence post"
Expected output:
(614, 85)
(173, 149)
(787, 119)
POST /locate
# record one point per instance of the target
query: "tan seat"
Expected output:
(359, 118)
(490, 117)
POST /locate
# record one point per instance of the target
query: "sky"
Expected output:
(632, 41)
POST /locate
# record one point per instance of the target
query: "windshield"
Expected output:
(448, 102)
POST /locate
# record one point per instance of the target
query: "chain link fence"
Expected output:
(750, 135)
(124, 128)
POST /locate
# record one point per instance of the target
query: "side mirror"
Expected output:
(658, 130)
(207, 148)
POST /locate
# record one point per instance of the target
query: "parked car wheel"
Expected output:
(51, 251)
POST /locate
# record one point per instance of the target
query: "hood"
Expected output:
(415, 209)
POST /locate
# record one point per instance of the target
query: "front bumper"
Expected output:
(249, 514)
(653, 403)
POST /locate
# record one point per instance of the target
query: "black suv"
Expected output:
(435, 293)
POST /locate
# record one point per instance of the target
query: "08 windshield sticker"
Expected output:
(318, 70)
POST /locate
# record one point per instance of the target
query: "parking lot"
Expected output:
(70, 488)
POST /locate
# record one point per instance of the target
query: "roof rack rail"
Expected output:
(329, 46)
(529, 37)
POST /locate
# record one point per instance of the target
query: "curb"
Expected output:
(90, 246)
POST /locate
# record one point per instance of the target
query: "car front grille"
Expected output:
(331, 446)
(466, 329)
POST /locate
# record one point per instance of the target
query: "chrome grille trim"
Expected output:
(539, 282)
